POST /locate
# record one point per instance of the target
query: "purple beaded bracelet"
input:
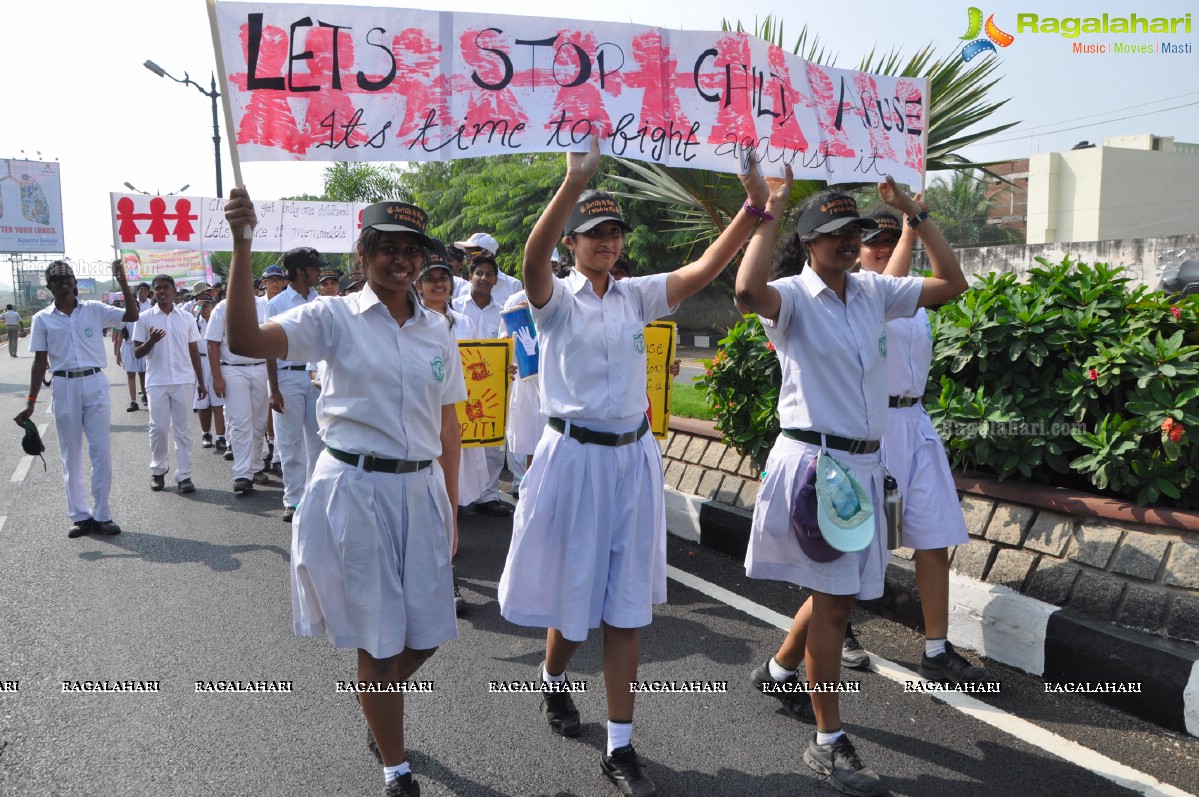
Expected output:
(761, 214)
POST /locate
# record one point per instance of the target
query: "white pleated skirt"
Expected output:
(915, 455)
(370, 559)
(588, 537)
(774, 552)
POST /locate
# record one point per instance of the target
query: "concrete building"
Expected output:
(1141, 186)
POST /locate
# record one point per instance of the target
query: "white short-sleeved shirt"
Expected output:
(13, 319)
(286, 299)
(484, 320)
(910, 350)
(74, 341)
(833, 354)
(216, 333)
(169, 361)
(384, 384)
(592, 351)
(505, 286)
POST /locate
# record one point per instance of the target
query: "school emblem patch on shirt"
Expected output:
(87, 331)
(639, 342)
(882, 345)
(438, 369)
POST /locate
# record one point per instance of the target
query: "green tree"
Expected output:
(960, 207)
(351, 181)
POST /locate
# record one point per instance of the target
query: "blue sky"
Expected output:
(76, 90)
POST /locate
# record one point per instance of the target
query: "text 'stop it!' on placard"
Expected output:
(355, 83)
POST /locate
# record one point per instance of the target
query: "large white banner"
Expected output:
(356, 83)
(30, 207)
(169, 223)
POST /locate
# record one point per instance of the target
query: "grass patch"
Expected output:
(688, 401)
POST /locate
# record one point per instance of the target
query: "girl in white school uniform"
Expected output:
(915, 456)
(589, 536)
(373, 537)
(827, 325)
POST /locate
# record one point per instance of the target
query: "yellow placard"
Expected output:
(659, 354)
(484, 414)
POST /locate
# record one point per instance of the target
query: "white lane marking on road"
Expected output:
(1069, 751)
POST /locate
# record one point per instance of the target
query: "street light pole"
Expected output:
(212, 94)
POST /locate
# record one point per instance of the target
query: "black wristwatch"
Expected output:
(914, 221)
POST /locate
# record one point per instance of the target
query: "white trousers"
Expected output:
(495, 464)
(245, 415)
(81, 407)
(297, 438)
(171, 411)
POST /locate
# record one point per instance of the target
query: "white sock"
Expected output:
(552, 679)
(934, 647)
(778, 672)
(620, 734)
(830, 737)
(396, 772)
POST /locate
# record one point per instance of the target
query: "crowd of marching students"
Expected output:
(361, 377)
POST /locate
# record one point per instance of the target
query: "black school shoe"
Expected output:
(852, 655)
(560, 712)
(949, 666)
(796, 702)
(157, 483)
(132, 407)
(496, 508)
(242, 485)
(108, 528)
(846, 772)
(626, 770)
(81, 527)
(221, 445)
(403, 786)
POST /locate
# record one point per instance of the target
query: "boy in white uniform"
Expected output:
(12, 325)
(827, 327)
(589, 544)
(66, 338)
(292, 394)
(241, 381)
(372, 540)
(167, 337)
(481, 307)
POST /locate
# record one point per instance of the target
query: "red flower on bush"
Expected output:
(1092, 375)
(1174, 311)
(1173, 429)
(770, 345)
(708, 372)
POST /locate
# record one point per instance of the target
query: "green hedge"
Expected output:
(1068, 378)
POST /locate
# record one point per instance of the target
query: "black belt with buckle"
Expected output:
(242, 365)
(293, 368)
(585, 435)
(833, 441)
(77, 374)
(902, 401)
(372, 464)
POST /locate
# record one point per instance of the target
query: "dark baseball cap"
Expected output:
(397, 217)
(830, 212)
(887, 222)
(273, 271)
(592, 208)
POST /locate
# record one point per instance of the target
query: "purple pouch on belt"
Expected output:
(805, 524)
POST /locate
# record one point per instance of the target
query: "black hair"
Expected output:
(163, 278)
(484, 257)
(9, 307)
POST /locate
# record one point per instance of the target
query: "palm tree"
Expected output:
(960, 206)
(702, 202)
